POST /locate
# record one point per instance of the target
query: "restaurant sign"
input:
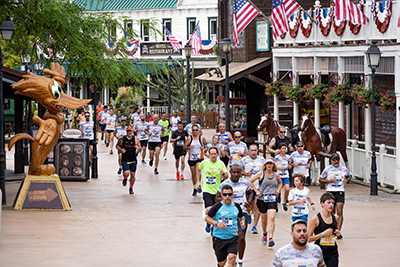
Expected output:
(158, 49)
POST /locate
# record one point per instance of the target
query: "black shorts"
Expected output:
(143, 143)
(339, 196)
(240, 230)
(223, 247)
(332, 261)
(225, 160)
(153, 145)
(110, 131)
(209, 199)
(92, 142)
(263, 207)
(193, 163)
(178, 153)
(165, 139)
(102, 127)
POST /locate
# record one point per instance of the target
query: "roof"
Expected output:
(237, 70)
(94, 5)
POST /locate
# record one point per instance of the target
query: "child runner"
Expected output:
(282, 160)
(298, 197)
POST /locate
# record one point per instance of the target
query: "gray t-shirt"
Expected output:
(302, 159)
(253, 165)
(288, 256)
(155, 130)
(338, 174)
(239, 191)
(234, 150)
(188, 128)
(140, 127)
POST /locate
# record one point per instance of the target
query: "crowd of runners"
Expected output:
(238, 186)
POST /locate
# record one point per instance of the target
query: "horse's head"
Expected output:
(265, 122)
(294, 135)
(305, 122)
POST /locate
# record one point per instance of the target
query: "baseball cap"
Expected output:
(129, 129)
(298, 221)
(123, 118)
(269, 160)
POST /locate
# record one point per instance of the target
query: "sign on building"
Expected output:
(263, 36)
(158, 49)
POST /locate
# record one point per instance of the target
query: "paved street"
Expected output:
(162, 225)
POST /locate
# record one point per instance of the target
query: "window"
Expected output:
(144, 29)
(167, 24)
(112, 32)
(128, 28)
(191, 25)
(212, 28)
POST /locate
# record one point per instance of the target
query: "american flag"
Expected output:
(195, 40)
(346, 10)
(398, 22)
(133, 41)
(243, 14)
(175, 44)
(281, 11)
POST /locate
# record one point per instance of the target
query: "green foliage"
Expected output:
(387, 102)
(336, 94)
(363, 96)
(316, 91)
(126, 102)
(275, 89)
(297, 94)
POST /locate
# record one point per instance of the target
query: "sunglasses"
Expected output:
(195, 130)
(336, 159)
(227, 194)
(300, 146)
(282, 132)
(237, 136)
(87, 116)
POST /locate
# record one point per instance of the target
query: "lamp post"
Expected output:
(226, 47)
(94, 157)
(188, 54)
(169, 84)
(25, 67)
(7, 29)
(373, 57)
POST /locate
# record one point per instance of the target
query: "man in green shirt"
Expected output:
(165, 137)
(214, 173)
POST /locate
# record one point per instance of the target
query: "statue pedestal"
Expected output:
(41, 193)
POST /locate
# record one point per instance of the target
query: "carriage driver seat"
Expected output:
(325, 131)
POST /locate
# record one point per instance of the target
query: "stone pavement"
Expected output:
(162, 225)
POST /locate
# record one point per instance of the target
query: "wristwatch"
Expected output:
(215, 222)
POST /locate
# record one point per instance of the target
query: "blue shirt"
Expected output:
(229, 216)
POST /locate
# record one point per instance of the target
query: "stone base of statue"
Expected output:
(41, 193)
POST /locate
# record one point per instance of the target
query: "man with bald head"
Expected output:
(155, 130)
(273, 146)
(193, 121)
(224, 138)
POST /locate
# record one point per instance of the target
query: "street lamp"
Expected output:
(7, 29)
(373, 57)
(94, 156)
(226, 47)
(38, 66)
(188, 54)
(169, 83)
(25, 67)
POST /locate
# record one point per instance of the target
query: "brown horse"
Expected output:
(312, 140)
(267, 122)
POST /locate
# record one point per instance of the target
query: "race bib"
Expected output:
(299, 210)
(180, 143)
(88, 133)
(143, 136)
(155, 133)
(269, 198)
(303, 161)
(329, 240)
(211, 180)
(195, 156)
(227, 221)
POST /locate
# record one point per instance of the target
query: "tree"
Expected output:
(65, 33)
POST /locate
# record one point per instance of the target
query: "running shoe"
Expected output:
(102, 137)
(254, 230)
(143, 161)
(194, 192)
(177, 176)
(239, 264)
(156, 171)
(249, 219)
(151, 163)
(119, 171)
(208, 227)
(124, 181)
(285, 208)
(199, 190)
(339, 237)
(131, 191)
(271, 243)
(111, 152)
(264, 240)
(182, 177)
(106, 144)
(165, 157)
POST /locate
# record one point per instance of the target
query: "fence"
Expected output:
(206, 119)
(160, 109)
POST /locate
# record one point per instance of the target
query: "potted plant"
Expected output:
(363, 96)
(387, 102)
(337, 94)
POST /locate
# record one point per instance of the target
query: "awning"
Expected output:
(237, 70)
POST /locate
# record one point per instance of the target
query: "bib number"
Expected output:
(227, 221)
(180, 143)
(195, 156)
(269, 198)
(298, 210)
(211, 180)
(328, 240)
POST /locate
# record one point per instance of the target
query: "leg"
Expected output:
(285, 197)
(111, 140)
(143, 153)
(120, 159)
(165, 148)
(91, 154)
(151, 154)
(231, 259)
(339, 213)
(133, 179)
(194, 176)
(242, 244)
(222, 263)
(177, 163)
(264, 222)
(157, 155)
(196, 170)
(271, 222)
(182, 164)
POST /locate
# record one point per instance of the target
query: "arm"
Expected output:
(249, 198)
(280, 184)
(186, 145)
(312, 203)
(211, 221)
(230, 137)
(258, 176)
(137, 144)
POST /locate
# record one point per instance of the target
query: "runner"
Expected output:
(99, 108)
(195, 144)
(273, 146)
(86, 127)
(165, 137)
(178, 139)
(299, 252)
(151, 117)
(140, 128)
(129, 146)
(282, 160)
(237, 149)
(224, 138)
(214, 143)
(214, 172)
(103, 114)
(120, 132)
(252, 164)
(111, 124)
(298, 197)
(324, 230)
(192, 123)
(225, 215)
(135, 117)
(270, 187)
(154, 131)
(301, 161)
(336, 176)
(173, 121)
(242, 195)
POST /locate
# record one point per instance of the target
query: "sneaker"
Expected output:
(182, 177)
(165, 158)
(156, 171)
(254, 230)
(119, 171)
(194, 192)
(111, 152)
(102, 137)
(131, 191)
(177, 176)
(106, 144)
(271, 243)
(239, 264)
(212, 231)
(199, 190)
(124, 182)
(249, 219)
(264, 239)
(143, 161)
(208, 228)
(150, 163)
(285, 206)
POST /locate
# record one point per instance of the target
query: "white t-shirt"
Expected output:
(234, 150)
(299, 209)
(239, 191)
(283, 162)
(155, 130)
(135, 118)
(87, 129)
(253, 165)
(140, 127)
(174, 124)
(113, 122)
(302, 159)
(121, 132)
(288, 256)
(103, 115)
(338, 174)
